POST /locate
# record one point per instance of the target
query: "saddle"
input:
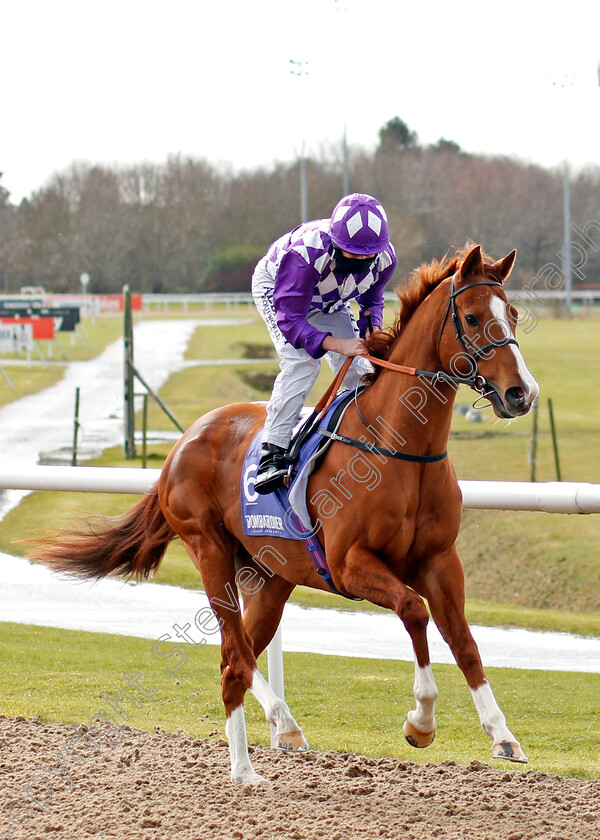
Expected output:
(284, 512)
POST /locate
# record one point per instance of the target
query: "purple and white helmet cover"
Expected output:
(359, 225)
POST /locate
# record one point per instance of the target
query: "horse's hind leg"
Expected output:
(263, 609)
(214, 559)
(444, 591)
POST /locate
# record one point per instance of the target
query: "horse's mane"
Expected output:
(413, 292)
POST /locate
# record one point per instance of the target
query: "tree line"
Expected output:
(188, 226)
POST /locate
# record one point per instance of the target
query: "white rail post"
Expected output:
(275, 667)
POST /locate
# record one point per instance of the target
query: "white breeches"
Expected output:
(299, 371)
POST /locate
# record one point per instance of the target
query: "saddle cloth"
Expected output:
(284, 513)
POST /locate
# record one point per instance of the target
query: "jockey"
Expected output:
(303, 288)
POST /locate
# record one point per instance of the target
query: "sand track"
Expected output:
(134, 784)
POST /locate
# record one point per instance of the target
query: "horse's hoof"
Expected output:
(511, 751)
(291, 741)
(416, 738)
(250, 780)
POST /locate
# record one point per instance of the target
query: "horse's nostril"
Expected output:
(515, 396)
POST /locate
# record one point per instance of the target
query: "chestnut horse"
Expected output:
(388, 522)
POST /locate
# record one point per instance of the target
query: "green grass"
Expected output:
(229, 342)
(96, 335)
(349, 705)
(192, 392)
(27, 381)
(199, 310)
(563, 357)
(537, 559)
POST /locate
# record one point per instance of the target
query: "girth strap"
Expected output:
(314, 547)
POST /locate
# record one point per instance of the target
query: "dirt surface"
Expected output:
(59, 781)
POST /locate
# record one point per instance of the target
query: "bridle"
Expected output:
(473, 353)
(476, 381)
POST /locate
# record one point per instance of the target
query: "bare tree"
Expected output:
(166, 227)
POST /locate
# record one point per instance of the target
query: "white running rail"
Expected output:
(550, 496)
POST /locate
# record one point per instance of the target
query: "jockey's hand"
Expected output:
(345, 346)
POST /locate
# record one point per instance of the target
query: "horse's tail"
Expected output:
(130, 545)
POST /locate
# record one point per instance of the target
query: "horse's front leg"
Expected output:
(444, 589)
(363, 574)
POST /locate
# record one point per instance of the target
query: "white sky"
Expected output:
(124, 81)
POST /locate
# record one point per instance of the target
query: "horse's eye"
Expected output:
(471, 320)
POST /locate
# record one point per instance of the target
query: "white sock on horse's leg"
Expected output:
(242, 770)
(490, 714)
(504, 743)
(419, 728)
(426, 693)
(288, 734)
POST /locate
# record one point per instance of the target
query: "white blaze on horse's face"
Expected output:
(509, 386)
(501, 323)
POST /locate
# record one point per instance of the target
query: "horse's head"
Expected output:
(478, 337)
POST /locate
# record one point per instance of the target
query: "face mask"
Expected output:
(352, 265)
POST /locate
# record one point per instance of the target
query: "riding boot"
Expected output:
(272, 468)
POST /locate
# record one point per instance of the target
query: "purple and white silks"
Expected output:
(301, 266)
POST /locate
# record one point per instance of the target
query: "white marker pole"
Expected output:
(275, 666)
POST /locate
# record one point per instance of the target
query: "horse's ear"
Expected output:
(505, 265)
(472, 264)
